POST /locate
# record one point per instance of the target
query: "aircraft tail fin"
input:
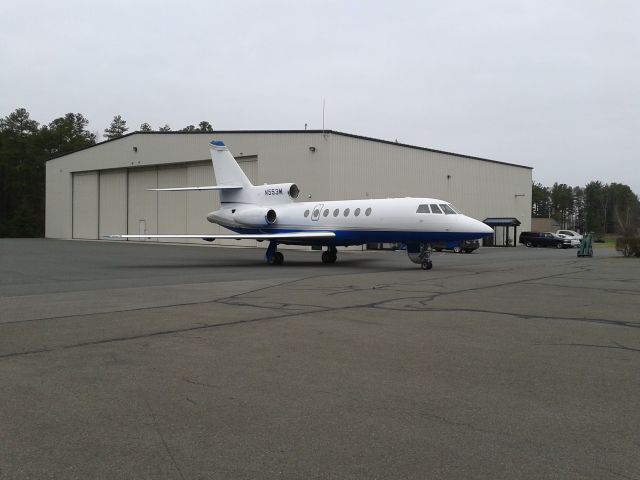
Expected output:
(228, 173)
(225, 167)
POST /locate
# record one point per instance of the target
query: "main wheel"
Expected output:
(560, 245)
(329, 257)
(276, 259)
(529, 244)
(427, 265)
(457, 249)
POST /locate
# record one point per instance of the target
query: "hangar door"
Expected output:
(123, 203)
(113, 202)
(143, 204)
(85, 205)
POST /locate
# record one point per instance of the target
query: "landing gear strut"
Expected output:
(330, 255)
(273, 257)
(425, 256)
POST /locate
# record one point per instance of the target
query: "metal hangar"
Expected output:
(102, 189)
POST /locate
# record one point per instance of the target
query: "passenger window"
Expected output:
(306, 213)
(424, 208)
(325, 213)
(316, 213)
(435, 208)
(367, 212)
(336, 212)
(447, 209)
(346, 212)
(356, 212)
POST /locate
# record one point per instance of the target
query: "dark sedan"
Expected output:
(543, 239)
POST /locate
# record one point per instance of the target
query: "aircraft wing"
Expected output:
(256, 236)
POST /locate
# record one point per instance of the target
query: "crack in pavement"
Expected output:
(162, 439)
(304, 309)
(615, 346)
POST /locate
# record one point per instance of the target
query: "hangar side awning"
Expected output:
(502, 222)
(506, 223)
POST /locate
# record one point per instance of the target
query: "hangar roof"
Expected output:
(333, 132)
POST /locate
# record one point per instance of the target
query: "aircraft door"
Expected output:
(315, 214)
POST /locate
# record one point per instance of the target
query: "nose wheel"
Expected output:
(425, 257)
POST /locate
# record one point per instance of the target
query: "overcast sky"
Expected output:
(550, 84)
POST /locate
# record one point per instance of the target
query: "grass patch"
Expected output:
(608, 243)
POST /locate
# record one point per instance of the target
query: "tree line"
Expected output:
(597, 207)
(26, 145)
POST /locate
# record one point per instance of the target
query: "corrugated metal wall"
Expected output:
(143, 205)
(113, 202)
(85, 205)
(172, 206)
(199, 204)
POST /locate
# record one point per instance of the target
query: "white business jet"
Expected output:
(269, 212)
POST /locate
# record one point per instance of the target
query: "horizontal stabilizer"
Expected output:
(256, 236)
(192, 189)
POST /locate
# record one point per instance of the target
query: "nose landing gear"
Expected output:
(425, 257)
(420, 254)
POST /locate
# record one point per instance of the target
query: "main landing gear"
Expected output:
(273, 257)
(330, 255)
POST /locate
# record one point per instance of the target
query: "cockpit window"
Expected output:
(447, 209)
(455, 209)
(424, 208)
(435, 208)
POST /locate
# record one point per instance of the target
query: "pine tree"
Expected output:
(116, 129)
(204, 126)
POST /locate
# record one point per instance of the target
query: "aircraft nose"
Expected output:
(486, 229)
(476, 226)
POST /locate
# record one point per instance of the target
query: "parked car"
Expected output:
(466, 246)
(575, 237)
(543, 239)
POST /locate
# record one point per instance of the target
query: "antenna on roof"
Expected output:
(323, 105)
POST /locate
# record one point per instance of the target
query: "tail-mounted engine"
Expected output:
(256, 216)
(278, 192)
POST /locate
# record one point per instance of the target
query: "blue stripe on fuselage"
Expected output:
(360, 237)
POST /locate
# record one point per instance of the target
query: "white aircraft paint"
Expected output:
(270, 212)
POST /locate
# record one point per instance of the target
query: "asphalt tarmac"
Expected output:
(123, 360)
